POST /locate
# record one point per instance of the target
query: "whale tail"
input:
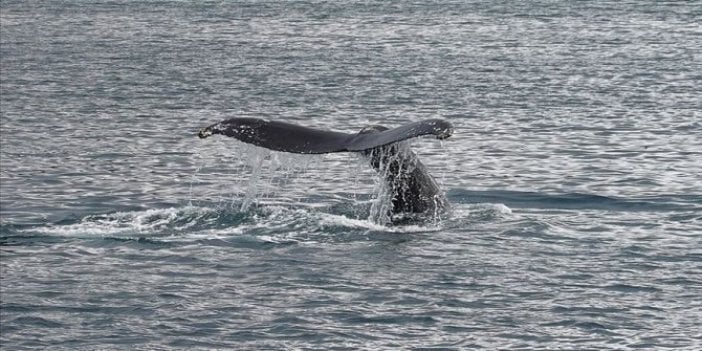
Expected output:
(412, 188)
(286, 137)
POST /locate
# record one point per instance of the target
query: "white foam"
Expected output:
(327, 219)
(126, 224)
(195, 223)
(489, 210)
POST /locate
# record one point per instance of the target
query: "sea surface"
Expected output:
(574, 176)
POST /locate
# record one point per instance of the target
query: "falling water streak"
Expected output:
(396, 155)
(356, 169)
(256, 161)
(280, 169)
(437, 218)
(261, 175)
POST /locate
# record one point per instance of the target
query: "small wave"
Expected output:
(268, 223)
(577, 201)
(480, 212)
(150, 222)
(341, 222)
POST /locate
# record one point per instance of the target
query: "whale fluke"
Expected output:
(286, 137)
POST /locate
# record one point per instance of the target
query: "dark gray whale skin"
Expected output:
(413, 189)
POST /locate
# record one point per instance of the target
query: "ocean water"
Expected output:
(573, 175)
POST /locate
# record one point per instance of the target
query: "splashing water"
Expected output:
(261, 176)
(255, 161)
(268, 172)
(404, 191)
(392, 164)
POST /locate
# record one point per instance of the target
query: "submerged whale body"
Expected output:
(412, 188)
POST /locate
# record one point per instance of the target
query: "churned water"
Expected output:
(573, 174)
